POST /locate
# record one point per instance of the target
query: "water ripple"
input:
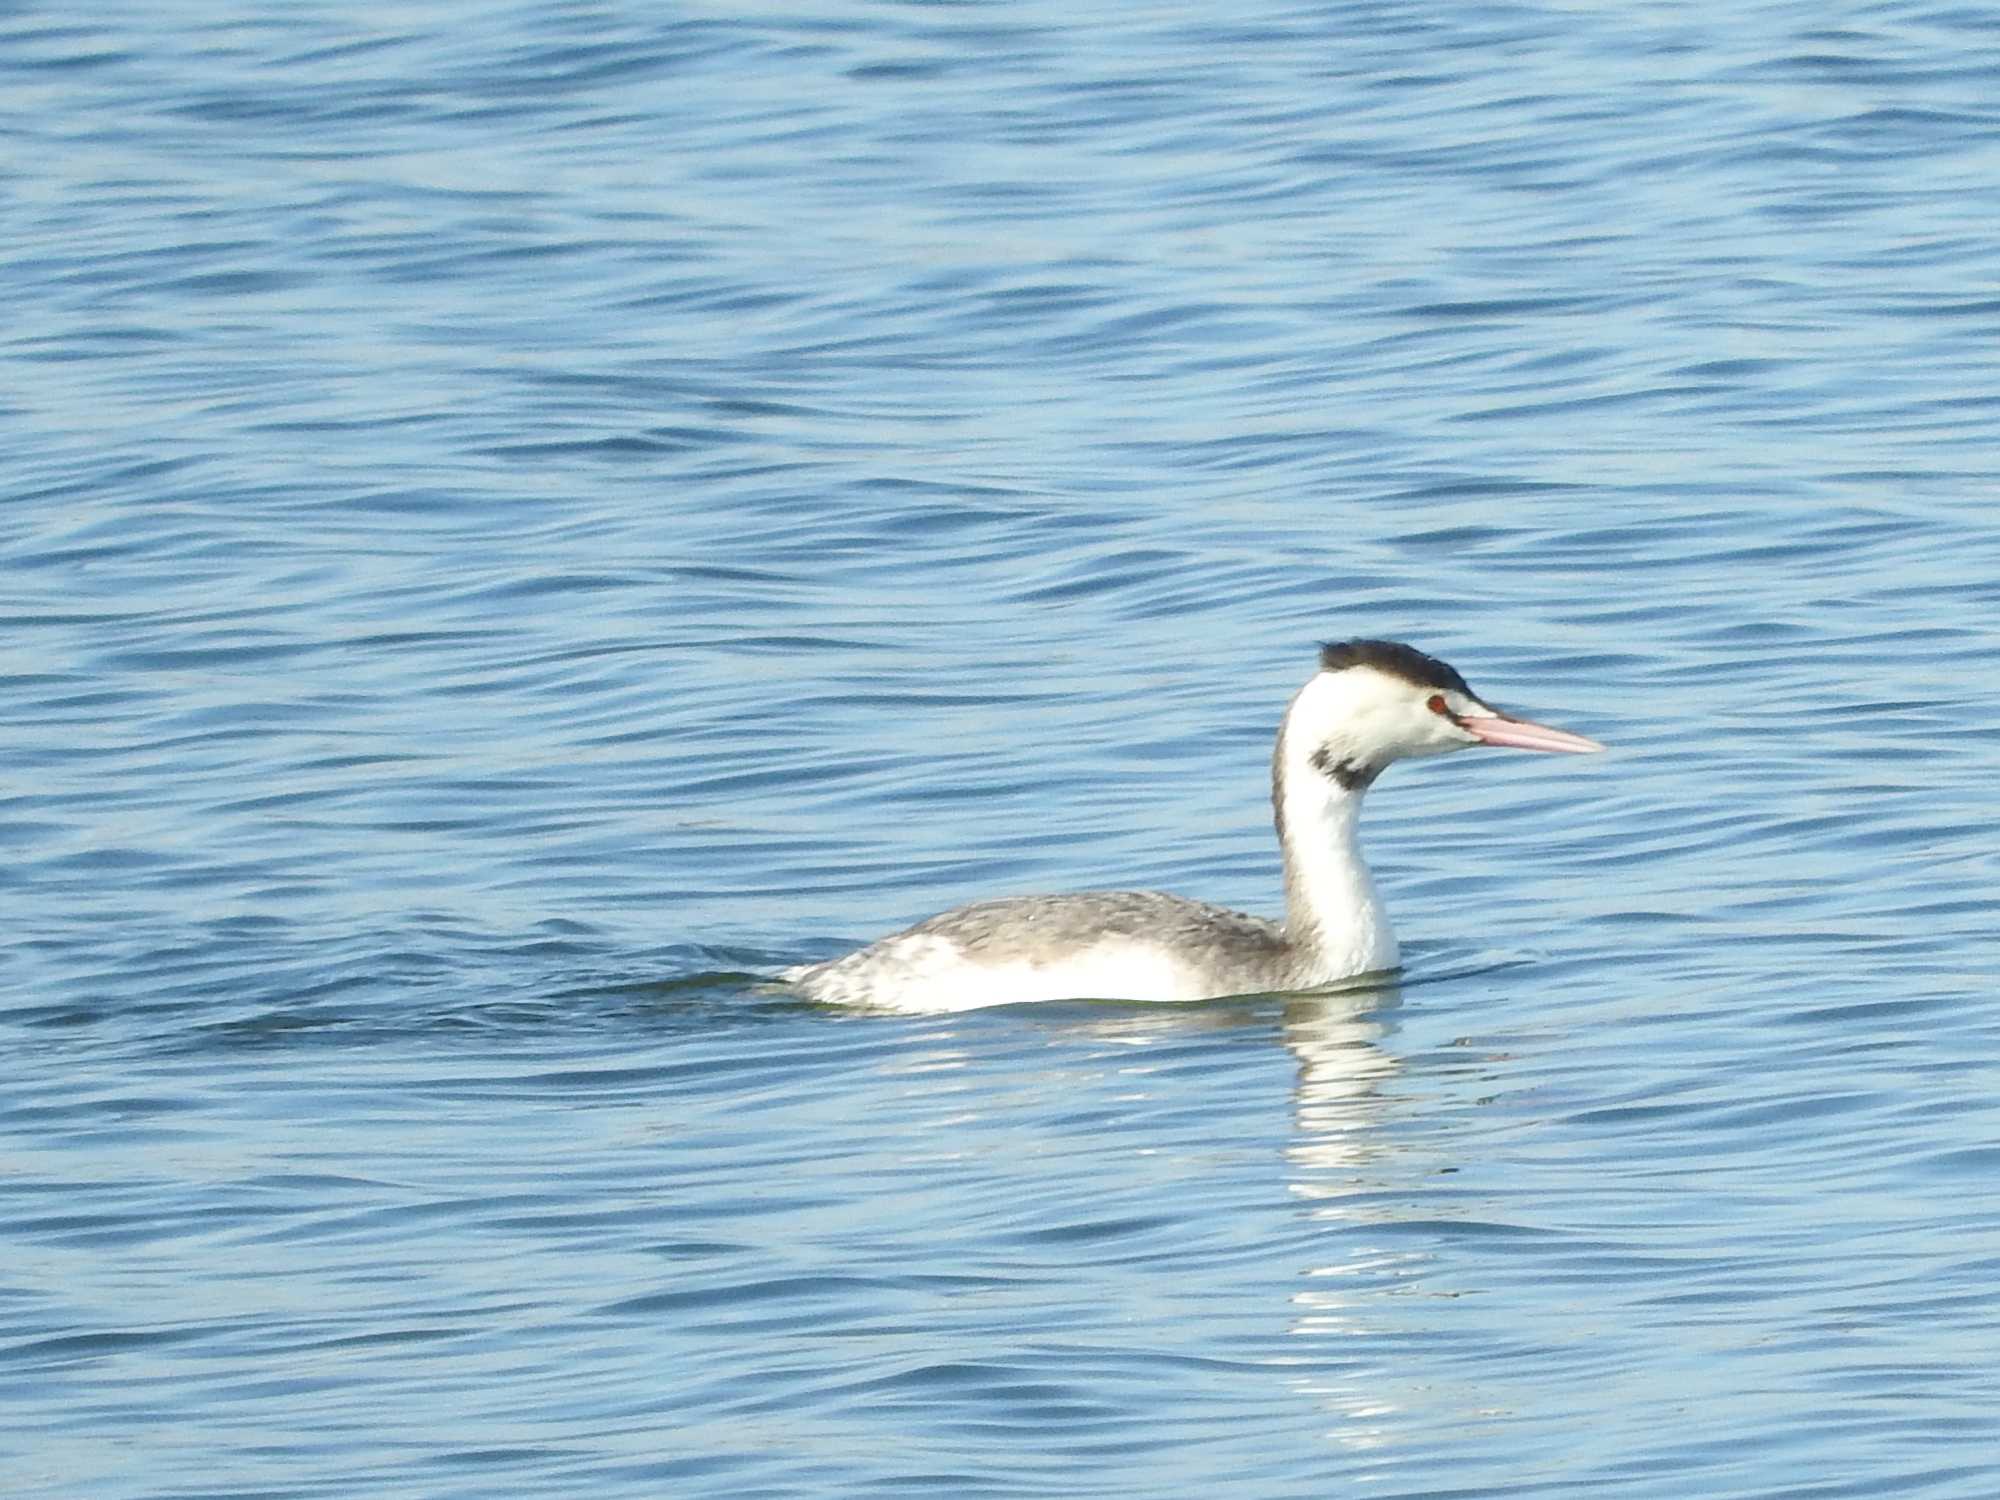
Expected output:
(522, 527)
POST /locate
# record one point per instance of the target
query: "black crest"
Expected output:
(1398, 660)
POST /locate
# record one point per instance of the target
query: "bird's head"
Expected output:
(1376, 702)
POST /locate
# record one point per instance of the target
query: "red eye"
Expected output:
(1437, 706)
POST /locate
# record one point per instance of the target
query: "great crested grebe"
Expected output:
(1371, 703)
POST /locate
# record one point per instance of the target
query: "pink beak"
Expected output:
(1524, 734)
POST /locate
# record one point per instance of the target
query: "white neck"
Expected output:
(1334, 917)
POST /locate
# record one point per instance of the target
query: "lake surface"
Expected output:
(522, 520)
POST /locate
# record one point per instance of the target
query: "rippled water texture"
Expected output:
(521, 520)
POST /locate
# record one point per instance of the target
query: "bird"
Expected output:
(1369, 704)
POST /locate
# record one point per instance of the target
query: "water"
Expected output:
(519, 521)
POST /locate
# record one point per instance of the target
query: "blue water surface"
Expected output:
(522, 520)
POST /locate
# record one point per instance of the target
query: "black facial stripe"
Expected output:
(1348, 775)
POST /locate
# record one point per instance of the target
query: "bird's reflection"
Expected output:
(1338, 1165)
(1341, 1271)
(1337, 1039)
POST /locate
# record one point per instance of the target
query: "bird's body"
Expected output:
(1108, 945)
(1371, 703)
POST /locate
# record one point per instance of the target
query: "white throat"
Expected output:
(1334, 916)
